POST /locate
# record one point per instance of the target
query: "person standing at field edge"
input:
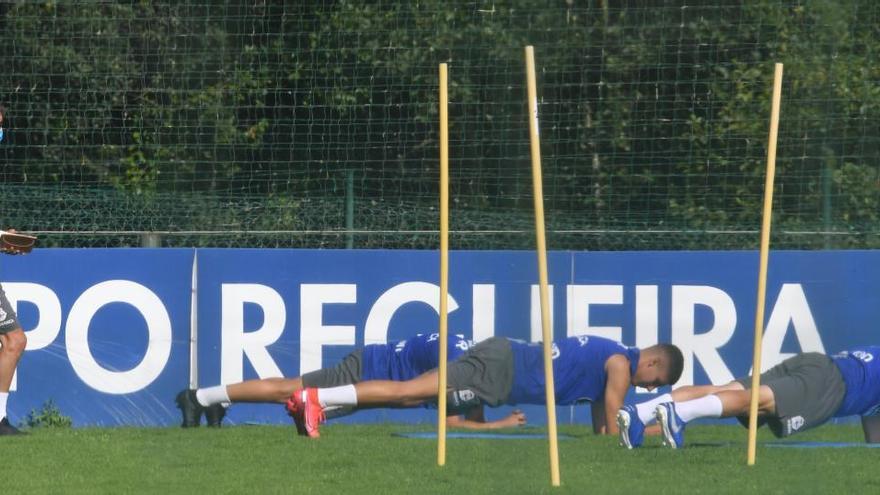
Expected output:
(12, 338)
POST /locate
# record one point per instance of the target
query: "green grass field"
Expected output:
(369, 459)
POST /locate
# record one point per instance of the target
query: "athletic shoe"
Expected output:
(630, 426)
(6, 428)
(671, 424)
(190, 408)
(307, 413)
(312, 411)
(294, 408)
(214, 415)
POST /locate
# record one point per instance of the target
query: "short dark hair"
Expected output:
(674, 361)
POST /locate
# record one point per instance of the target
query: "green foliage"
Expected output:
(49, 416)
(654, 118)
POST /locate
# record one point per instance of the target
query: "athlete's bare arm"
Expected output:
(616, 385)
(475, 419)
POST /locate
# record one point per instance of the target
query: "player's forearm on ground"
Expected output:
(459, 422)
(475, 419)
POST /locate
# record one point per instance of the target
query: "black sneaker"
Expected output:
(190, 408)
(214, 415)
(6, 428)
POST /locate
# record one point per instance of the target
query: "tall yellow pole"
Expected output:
(444, 266)
(764, 254)
(547, 334)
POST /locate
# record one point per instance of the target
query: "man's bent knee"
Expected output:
(13, 342)
(766, 400)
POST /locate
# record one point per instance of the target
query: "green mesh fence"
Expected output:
(314, 124)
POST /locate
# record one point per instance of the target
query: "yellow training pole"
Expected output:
(542, 264)
(762, 270)
(444, 266)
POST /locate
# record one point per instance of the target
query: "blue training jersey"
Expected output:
(409, 358)
(578, 369)
(860, 368)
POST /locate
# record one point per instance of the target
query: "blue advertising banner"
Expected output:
(290, 312)
(109, 329)
(287, 312)
(108, 333)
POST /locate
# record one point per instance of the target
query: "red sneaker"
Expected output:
(307, 413)
(295, 408)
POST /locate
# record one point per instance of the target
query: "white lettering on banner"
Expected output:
(647, 321)
(703, 346)
(790, 310)
(647, 316)
(314, 335)
(379, 319)
(49, 311)
(483, 311)
(579, 298)
(238, 344)
(77, 336)
(790, 307)
(537, 331)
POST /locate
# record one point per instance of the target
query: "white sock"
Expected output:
(4, 396)
(345, 395)
(212, 395)
(705, 407)
(646, 409)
